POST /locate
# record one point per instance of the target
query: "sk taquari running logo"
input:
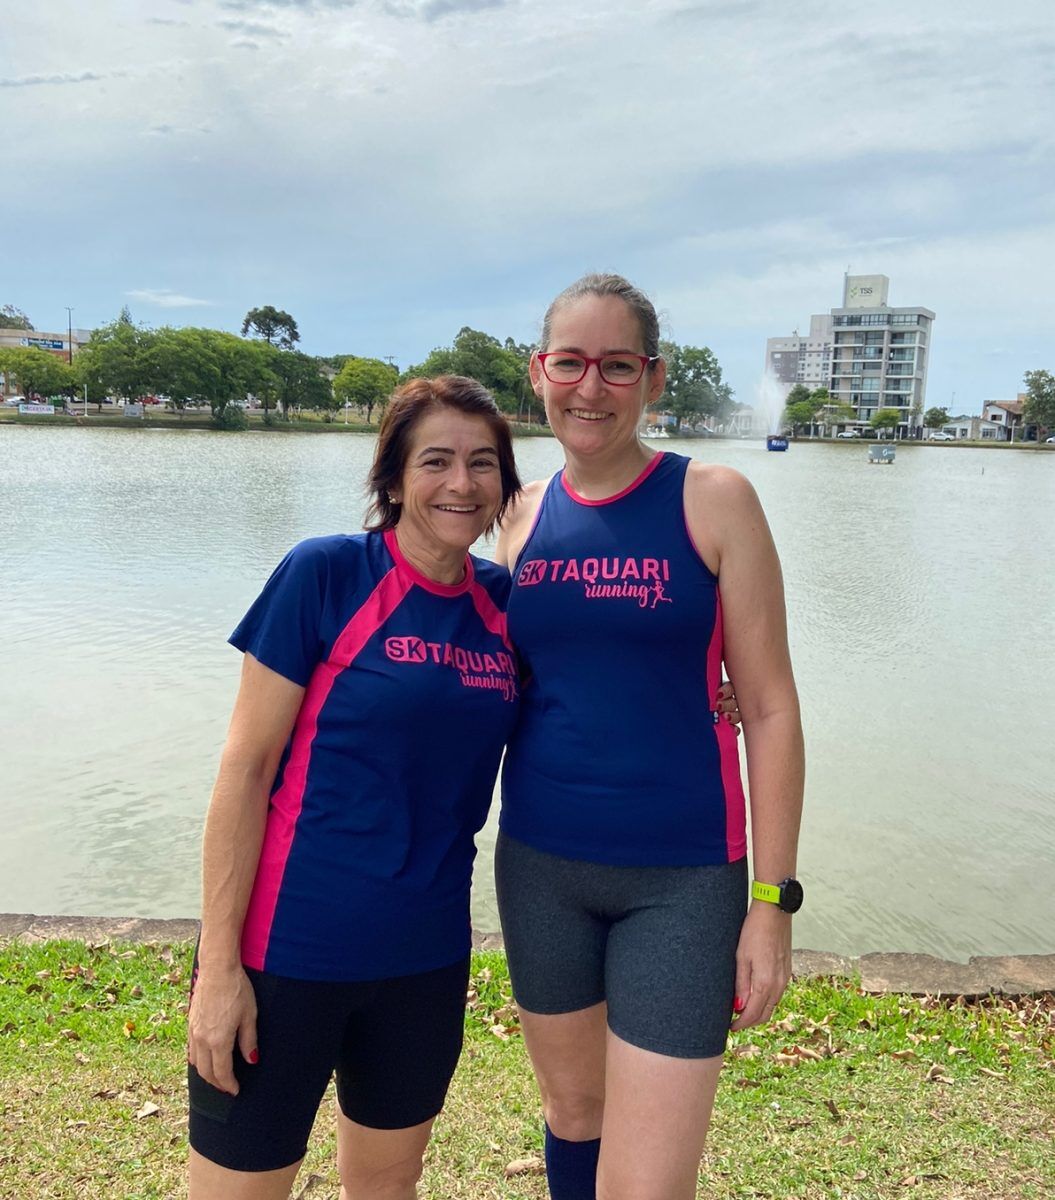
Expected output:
(640, 579)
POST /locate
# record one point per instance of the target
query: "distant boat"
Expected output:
(774, 442)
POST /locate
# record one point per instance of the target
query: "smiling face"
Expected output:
(591, 416)
(451, 487)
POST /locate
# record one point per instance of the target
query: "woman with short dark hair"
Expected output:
(378, 688)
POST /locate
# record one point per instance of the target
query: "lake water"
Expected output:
(921, 604)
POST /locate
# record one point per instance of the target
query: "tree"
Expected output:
(1039, 408)
(481, 357)
(37, 372)
(116, 359)
(694, 388)
(366, 383)
(935, 418)
(276, 327)
(13, 318)
(886, 418)
(529, 406)
(300, 383)
(799, 408)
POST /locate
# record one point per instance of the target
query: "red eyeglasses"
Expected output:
(619, 370)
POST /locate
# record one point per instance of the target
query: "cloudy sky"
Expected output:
(390, 170)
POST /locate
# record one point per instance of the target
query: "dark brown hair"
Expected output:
(408, 405)
(609, 285)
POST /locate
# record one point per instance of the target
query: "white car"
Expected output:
(1049, 441)
(943, 437)
(848, 433)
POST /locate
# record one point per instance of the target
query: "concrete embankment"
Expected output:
(917, 974)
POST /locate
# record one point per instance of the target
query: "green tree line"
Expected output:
(208, 367)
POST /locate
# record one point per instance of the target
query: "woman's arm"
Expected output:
(730, 529)
(223, 1008)
(516, 525)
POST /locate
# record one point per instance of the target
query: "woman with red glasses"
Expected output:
(622, 859)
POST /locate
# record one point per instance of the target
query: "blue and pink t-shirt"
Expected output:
(411, 693)
(619, 757)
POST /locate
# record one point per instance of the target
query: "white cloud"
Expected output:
(165, 298)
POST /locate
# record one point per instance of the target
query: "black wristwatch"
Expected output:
(786, 895)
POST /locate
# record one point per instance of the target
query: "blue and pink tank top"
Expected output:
(618, 756)
(411, 692)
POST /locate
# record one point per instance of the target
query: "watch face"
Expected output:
(791, 895)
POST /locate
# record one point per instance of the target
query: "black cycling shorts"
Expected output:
(392, 1043)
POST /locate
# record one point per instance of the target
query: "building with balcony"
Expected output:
(868, 354)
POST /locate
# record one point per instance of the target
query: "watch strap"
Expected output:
(770, 892)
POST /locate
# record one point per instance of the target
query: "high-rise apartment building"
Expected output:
(867, 354)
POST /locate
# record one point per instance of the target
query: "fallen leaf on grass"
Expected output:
(750, 1050)
(128, 1028)
(990, 1072)
(937, 1075)
(76, 1124)
(82, 1058)
(800, 1123)
(500, 1032)
(793, 1055)
(148, 1110)
(71, 1035)
(105, 1094)
(309, 1185)
(902, 1055)
(860, 1176)
(830, 1105)
(524, 1166)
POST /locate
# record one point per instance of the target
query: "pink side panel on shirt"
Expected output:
(492, 616)
(286, 803)
(729, 756)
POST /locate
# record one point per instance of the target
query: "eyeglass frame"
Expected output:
(646, 360)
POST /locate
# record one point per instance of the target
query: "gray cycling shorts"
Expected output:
(657, 944)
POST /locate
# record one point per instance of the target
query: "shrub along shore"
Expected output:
(846, 1094)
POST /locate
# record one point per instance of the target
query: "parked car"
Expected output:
(942, 437)
(1049, 441)
(849, 433)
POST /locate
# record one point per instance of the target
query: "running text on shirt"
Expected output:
(492, 672)
(639, 579)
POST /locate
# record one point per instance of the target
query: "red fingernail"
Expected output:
(738, 1005)
(254, 1056)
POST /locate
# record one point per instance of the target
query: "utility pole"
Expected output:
(69, 349)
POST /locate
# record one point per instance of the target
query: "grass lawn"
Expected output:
(846, 1095)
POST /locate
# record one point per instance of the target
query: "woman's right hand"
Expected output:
(222, 1013)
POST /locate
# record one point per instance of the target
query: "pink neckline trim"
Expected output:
(423, 581)
(619, 495)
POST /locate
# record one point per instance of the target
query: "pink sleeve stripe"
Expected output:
(287, 802)
(653, 463)
(492, 616)
(728, 753)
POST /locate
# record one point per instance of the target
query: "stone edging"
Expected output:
(917, 974)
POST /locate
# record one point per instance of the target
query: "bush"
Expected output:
(232, 416)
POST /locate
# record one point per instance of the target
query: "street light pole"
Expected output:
(69, 350)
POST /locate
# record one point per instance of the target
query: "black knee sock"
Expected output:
(571, 1167)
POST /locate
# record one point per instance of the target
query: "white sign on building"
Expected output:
(865, 291)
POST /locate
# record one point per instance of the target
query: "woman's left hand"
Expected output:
(763, 964)
(725, 704)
